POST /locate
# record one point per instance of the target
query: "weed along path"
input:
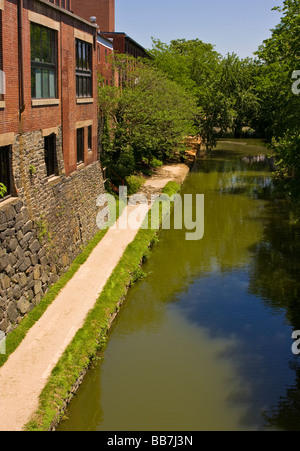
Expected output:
(25, 373)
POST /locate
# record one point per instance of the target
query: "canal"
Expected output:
(204, 342)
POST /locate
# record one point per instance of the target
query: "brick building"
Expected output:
(48, 147)
(104, 12)
(123, 43)
(47, 84)
(105, 50)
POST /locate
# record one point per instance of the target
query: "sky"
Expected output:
(238, 26)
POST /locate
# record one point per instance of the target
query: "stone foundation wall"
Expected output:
(25, 272)
(44, 227)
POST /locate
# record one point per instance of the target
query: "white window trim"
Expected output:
(81, 100)
(45, 102)
(83, 36)
(50, 131)
(43, 20)
(83, 124)
(7, 139)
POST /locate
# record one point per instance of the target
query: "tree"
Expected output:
(147, 117)
(280, 112)
(224, 86)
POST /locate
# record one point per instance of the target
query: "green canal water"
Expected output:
(204, 342)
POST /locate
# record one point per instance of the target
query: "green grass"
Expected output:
(171, 188)
(134, 183)
(92, 337)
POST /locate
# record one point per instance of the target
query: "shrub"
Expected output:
(134, 183)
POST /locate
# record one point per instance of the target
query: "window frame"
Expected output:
(50, 155)
(45, 67)
(80, 145)
(1, 58)
(84, 69)
(90, 137)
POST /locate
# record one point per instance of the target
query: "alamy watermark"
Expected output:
(296, 344)
(296, 84)
(2, 342)
(188, 213)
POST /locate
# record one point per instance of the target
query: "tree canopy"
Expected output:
(189, 88)
(145, 119)
(280, 107)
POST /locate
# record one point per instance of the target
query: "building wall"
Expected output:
(118, 40)
(47, 220)
(103, 10)
(104, 63)
(124, 44)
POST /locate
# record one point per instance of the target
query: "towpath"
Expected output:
(25, 374)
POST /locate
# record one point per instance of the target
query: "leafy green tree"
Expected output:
(280, 107)
(224, 87)
(239, 96)
(145, 118)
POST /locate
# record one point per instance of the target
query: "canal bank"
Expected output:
(204, 341)
(43, 373)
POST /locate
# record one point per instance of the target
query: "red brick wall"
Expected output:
(104, 66)
(118, 40)
(104, 10)
(68, 112)
(9, 115)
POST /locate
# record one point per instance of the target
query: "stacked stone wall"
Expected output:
(44, 227)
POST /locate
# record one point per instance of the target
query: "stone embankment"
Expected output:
(25, 272)
(43, 226)
(25, 373)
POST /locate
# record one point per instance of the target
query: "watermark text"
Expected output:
(2, 342)
(296, 84)
(188, 213)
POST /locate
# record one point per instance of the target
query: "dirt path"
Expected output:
(25, 374)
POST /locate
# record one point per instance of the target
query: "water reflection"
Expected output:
(274, 277)
(204, 342)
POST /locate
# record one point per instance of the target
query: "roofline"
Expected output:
(127, 37)
(108, 41)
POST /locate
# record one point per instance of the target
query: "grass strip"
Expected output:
(92, 337)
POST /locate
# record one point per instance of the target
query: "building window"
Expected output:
(43, 62)
(5, 169)
(50, 155)
(80, 145)
(66, 4)
(2, 77)
(83, 69)
(90, 142)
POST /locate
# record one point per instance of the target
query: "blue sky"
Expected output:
(238, 26)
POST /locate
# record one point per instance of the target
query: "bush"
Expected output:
(3, 190)
(155, 163)
(134, 183)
